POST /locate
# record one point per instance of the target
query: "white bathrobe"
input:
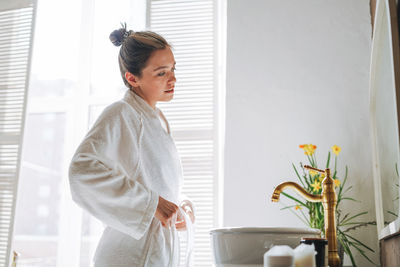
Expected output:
(123, 164)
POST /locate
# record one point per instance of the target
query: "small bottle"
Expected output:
(279, 256)
(304, 255)
(321, 246)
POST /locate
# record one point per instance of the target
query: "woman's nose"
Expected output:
(172, 78)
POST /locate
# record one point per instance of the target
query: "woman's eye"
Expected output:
(161, 74)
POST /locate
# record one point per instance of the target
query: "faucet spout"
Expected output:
(310, 197)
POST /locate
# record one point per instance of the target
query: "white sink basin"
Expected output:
(247, 245)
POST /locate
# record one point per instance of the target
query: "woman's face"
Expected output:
(158, 78)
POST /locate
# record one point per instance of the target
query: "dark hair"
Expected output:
(136, 48)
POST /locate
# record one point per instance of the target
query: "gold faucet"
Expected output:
(329, 200)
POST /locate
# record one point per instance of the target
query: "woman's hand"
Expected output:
(180, 222)
(165, 211)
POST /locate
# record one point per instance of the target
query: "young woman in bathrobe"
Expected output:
(127, 172)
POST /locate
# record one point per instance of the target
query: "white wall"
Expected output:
(297, 72)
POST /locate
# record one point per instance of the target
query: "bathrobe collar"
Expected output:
(137, 102)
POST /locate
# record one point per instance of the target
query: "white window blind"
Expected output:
(16, 24)
(190, 26)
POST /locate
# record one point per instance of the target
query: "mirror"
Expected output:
(384, 97)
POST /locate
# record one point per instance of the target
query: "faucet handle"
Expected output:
(315, 169)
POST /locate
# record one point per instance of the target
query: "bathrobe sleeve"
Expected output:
(100, 184)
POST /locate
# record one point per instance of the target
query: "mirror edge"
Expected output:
(389, 7)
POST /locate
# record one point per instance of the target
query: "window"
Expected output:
(74, 76)
(16, 24)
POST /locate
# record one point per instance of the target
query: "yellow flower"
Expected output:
(316, 186)
(336, 149)
(313, 173)
(298, 207)
(321, 177)
(337, 182)
(309, 149)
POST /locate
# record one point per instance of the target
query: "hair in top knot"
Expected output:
(136, 48)
(117, 37)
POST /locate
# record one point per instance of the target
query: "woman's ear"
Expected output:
(131, 79)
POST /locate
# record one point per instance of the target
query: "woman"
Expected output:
(127, 172)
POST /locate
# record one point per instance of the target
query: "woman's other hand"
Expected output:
(180, 222)
(165, 211)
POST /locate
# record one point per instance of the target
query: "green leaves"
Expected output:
(314, 216)
(298, 175)
(347, 241)
(352, 217)
(392, 213)
(328, 160)
(295, 199)
(346, 246)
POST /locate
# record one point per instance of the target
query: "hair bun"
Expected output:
(117, 37)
